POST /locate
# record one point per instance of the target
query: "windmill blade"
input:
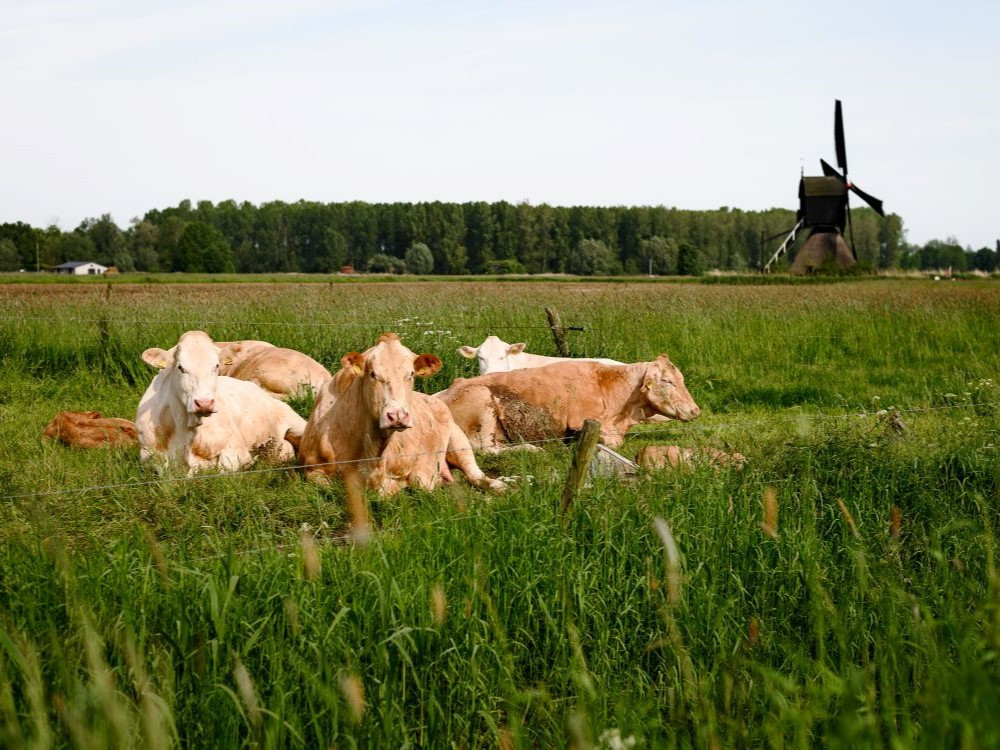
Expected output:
(829, 171)
(838, 137)
(871, 200)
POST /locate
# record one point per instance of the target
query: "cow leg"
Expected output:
(460, 455)
(527, 447)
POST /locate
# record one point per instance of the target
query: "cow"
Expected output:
(502, 408)
(495, 355)
(368, 420)
(279, 371)
(662, 456)
(88, 429)
(192, 416)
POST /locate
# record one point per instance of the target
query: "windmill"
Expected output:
(825, 210)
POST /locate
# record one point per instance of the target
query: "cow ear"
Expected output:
(426, 365)
(516, 348)
(355, 361)
(468, 352)
(156, 357)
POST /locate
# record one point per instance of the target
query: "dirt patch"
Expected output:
(521, 421)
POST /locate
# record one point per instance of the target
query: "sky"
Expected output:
(122, 106)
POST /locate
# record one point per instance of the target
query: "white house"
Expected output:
(81, 268)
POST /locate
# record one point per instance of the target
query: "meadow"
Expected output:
(842, 590)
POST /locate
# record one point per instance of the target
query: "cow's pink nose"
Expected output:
(204, 405)
(397, 419)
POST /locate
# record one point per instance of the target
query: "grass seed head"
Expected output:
(895, 522)
(770, 523)
(847, 517)
(439, 604)
(247, 692)
(354, 693)
(673, 559)
(310, 555)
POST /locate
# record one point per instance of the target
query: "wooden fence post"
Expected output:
(586, 444)
(558, 332)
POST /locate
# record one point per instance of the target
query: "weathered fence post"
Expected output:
(558, 332)
(586, 444)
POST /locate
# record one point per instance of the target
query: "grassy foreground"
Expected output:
(857, 605)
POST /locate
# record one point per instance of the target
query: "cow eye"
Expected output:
(373, 375)
(217, 368)
(410, 376)
(181, 370)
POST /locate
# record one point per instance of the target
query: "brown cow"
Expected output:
(548, 402)
(88, 429)
(662, 456)
(279, 371)
(368, 419)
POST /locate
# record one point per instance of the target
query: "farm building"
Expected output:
(81, 268)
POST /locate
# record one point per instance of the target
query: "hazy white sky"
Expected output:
(120, 106)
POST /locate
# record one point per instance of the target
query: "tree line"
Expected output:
(453, 238)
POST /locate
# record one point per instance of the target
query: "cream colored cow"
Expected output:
(495, 355)
(279, 371)
(502, 408)
(368, 420)
(193, 417)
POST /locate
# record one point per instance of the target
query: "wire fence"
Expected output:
(643, 433)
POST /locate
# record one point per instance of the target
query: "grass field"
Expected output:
(858, 606)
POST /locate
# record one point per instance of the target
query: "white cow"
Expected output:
(495, 355)
(191, 416)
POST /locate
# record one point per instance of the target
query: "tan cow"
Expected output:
(662, 456)
(88, 429)
(369, 420)
(502, 408)
(191, 416)
(279, 371)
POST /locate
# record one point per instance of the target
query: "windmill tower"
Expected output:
(824, 209)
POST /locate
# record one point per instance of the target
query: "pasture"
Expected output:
(859, 605)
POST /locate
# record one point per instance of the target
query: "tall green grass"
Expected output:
(191, 613)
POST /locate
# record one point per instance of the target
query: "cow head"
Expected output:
(192, 372)
(663, 386)
(492, 354)
(386, 372)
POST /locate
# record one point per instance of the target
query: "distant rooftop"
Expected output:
(77, 263)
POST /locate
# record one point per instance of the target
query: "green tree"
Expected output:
(143, 238)
(592, 258)
(985, 259)
(334, 253)
(419, 259)
(203, 249)
(662, 251)
(689, 260)
(9, 258)
(382, 263)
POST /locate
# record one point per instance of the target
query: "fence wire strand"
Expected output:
(637, 434)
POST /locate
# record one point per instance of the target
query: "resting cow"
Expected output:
(662, 456)
(369, 420)
(502, 408)
(88, 429)
(495, 355)
(279, 371)
(191, 416)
